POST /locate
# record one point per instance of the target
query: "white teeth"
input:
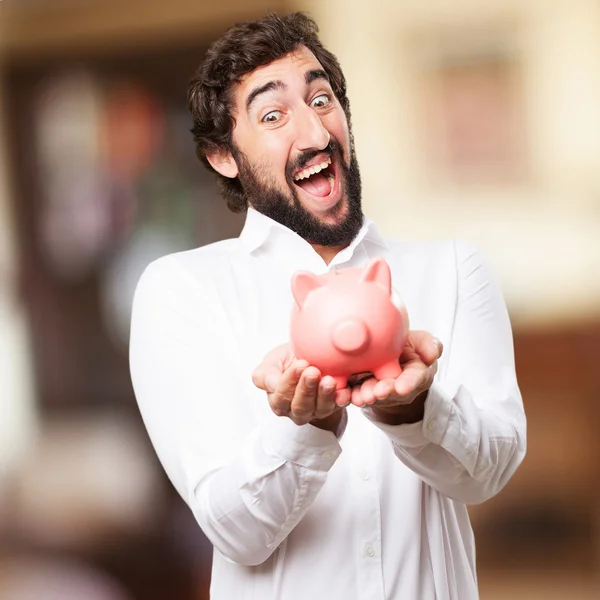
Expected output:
(312, 170)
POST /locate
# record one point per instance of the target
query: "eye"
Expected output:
(272, 117)
(321, 101)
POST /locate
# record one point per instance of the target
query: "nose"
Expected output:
(312, 134)
(350, 336)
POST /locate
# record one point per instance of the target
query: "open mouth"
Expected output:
(318, 180)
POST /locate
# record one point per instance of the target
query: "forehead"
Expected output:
(290, 66)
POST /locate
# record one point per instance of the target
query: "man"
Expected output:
(306, 492)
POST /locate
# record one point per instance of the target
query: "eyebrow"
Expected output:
(278, 85)
(263, 89)
(315, 74)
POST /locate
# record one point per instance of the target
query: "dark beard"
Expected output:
(289, 211)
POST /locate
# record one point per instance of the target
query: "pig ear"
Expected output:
(378, 271)
(303, 283)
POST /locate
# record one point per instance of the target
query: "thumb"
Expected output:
(267, 374)
(426, 346)
(266, 378)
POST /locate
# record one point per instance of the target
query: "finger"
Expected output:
(366, 391)
(304, 401)
(281, 399)
(325, 402)
(356, 397)
(417, 377)
(428, 347)
(343, 397)
(384, 388)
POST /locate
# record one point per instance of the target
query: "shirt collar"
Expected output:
(259, 228)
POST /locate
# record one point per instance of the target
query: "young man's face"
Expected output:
(289, 124)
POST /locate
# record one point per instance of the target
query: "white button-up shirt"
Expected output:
(293, 512)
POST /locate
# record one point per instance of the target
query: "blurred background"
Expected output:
(478, 120)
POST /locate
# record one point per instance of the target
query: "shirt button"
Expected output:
(328, 455)
(432, 425)
(369, 550)
(364, 474)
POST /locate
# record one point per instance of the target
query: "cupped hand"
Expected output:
(297, 390)
(419, 366)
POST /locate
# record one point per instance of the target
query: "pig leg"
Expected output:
(389, 370)
(340, 382)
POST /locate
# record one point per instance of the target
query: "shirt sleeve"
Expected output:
(248, 481)
(473, 434)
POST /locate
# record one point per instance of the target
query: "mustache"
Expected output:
(303, 159)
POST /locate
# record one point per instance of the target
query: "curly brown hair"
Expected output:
(239, 51)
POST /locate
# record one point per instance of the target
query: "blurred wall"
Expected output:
(31, 27)
(539, 223)
(17, 390)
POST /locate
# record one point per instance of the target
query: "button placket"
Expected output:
(364, 486)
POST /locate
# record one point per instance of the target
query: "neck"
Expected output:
(327, 253)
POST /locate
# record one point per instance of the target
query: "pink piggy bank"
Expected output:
(349, 321)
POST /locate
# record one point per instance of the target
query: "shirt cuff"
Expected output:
(438, 407)
(305, 445)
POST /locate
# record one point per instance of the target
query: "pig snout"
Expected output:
(350, 336)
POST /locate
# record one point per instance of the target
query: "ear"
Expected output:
(223, 163)
(378, 271)
(303, 283)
